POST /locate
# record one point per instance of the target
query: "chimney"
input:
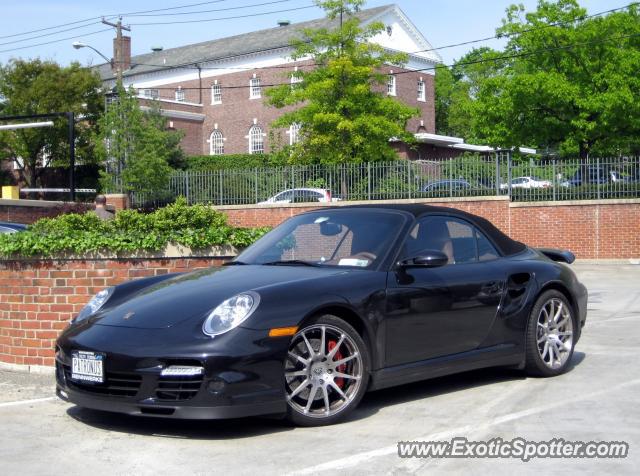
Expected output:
(126, 52)
(284, 23)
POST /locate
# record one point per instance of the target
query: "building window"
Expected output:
(216, 143)
(256, 140)
(391, 85)
(180, 95)
(295, 79)
(421, 91)
(216, 93)
(255, 90)
(294, 133)
(151, 94)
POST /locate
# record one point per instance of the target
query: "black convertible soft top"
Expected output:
(505, 245)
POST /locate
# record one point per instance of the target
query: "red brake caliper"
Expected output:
(340, 368)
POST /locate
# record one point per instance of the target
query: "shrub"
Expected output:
(196, 226)
(232, 161)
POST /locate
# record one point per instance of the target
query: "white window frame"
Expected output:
(151, 94)
(422, 91)
(216, 93)
(294, 133)
(256, 140)
(216, 143)
(255, 88)
(391, 85)
(179, 95)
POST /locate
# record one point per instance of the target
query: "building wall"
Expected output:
(236, 115)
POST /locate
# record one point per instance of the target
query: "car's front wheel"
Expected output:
(550, 335)
(326, 372)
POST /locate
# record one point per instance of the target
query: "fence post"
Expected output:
(256, 185)
(597, 176)
(186, 185)
(497, 173)
(368, 180)
(509, 164)
(554, 182)
(220, 188)
(409, 177)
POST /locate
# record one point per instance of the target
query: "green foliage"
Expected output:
(232, 161)
(569, 89)
(343, 114)
(136, 147)
(196, 226)
(40, 87)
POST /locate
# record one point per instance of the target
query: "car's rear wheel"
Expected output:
(550, 335)
(326, 372)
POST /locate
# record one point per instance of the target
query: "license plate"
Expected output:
(87, 366)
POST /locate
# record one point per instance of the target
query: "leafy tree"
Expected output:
(343, 113)
(571, 87)
(136, 147)
(42, 87)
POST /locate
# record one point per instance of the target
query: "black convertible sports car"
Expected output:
(330, 304)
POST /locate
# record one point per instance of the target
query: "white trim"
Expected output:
(255, 88)
(472, 147)
(437, 139)
(170, 101)
(422, 91)
(190, 116)
(219, 145)
(219, 87)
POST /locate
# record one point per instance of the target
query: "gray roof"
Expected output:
(253, 42)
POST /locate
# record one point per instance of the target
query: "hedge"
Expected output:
(232, 161)
(195, 226)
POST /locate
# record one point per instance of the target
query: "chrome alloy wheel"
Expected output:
(554, 333)
(323, 371)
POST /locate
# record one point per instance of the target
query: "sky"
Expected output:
(442, 22)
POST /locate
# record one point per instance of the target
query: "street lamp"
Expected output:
(77, 45)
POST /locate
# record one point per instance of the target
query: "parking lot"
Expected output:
(595, 400)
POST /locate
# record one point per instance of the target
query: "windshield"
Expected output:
(351, 238)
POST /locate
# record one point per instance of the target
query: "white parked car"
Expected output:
(526, 182)
(302, 195)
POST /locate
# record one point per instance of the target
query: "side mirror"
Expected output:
(426, 259)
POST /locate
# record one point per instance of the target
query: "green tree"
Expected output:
(339, 104)
(42, 87)
(572, 87)
(136, 147)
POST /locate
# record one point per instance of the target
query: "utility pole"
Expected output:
(117, 48)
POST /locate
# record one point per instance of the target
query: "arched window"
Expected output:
(294, 133)
(256, 140)
(216, 143)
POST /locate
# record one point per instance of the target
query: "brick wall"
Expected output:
(29, 211)
(38, 298)
(590, 229)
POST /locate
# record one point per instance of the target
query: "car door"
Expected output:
(432, 312)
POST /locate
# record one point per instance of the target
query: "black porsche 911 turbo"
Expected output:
(328, 305)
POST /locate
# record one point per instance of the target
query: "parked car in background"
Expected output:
(7, 227)
(302, 195)
(526, 182)
(597, 175)
(449, 184)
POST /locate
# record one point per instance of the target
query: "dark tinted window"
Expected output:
(459, 240)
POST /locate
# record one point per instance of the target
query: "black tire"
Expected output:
(331, 324)
(535, 365)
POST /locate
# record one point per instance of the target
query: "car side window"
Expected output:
(281, 197)
(459, 240)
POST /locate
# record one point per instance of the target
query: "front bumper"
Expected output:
(242, 374)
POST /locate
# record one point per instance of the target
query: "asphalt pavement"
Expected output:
(597, 400)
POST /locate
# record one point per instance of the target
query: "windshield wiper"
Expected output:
(290, 262)
(234, 263)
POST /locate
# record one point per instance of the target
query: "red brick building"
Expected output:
(214, 91)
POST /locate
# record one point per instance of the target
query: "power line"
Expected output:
(54, 41)
(542, 27)
(487, 60)
(110, 16)
(223, 18)
(49, 34)
(205, 11)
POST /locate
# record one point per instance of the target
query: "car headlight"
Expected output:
(230, 313)
(94, 304)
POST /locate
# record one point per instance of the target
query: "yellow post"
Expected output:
(10, 192)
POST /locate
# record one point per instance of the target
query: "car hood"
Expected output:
(195, 294)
